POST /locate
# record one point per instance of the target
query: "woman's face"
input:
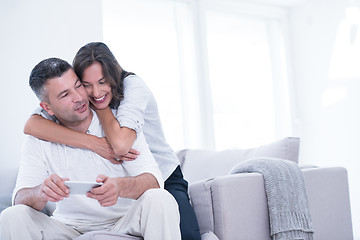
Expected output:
(97, 86)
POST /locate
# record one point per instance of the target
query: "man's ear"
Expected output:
(46, 106)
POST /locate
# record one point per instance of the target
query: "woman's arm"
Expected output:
(120, 138)
(121, 130)
(48, 130)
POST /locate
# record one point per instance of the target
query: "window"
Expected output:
(142, 36)
(217, 68)
(241, 80)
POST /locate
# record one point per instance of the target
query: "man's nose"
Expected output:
(77, 97)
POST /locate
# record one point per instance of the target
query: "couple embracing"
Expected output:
(97, 122)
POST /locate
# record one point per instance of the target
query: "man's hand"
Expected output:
(125, 187)
(107, 195)
(53, 188)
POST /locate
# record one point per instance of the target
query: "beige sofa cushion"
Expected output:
(204, 164)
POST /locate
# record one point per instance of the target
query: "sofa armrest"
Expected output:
(235, 206)
(329, 200)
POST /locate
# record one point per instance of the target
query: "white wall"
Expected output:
(29, 32)
(328, 104)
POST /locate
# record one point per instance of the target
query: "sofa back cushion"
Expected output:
(8, 180)
(204, 164)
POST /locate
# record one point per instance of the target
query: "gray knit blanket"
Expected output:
(286, 197)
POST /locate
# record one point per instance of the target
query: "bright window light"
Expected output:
(241, 80)
(143, 37)
(345, 59)
(211, 69)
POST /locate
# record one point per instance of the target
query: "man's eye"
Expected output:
(64, 95)
(78, 86)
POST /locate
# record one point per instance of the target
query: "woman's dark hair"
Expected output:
(112, 71)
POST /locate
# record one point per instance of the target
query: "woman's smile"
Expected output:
(100, 99)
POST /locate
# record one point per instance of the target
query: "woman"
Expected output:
(109, 86)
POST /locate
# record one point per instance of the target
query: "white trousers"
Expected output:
(154, 216)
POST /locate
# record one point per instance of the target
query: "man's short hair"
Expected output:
(44, 71)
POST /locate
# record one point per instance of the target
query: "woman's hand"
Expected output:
(103, 148)
(130, 156)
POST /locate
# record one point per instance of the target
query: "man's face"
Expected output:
(67, 99)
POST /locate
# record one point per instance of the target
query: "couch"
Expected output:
(234, 206)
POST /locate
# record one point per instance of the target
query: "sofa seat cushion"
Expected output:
(209, 236)
(106, 235)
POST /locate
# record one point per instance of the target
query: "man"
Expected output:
(45, 166)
